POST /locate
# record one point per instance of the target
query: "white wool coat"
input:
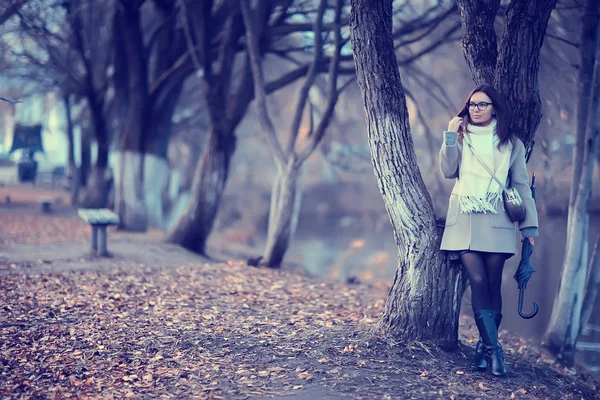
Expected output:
(486, 232)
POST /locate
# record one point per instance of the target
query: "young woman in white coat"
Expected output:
(478, 231)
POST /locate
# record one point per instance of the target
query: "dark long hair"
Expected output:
(502, 113)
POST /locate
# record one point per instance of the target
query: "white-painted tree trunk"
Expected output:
(286, 199)
(130, 203)
(156, 181)
(565, 323)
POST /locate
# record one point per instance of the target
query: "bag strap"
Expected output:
(483, 164)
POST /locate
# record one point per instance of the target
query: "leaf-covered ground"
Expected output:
(158, 329)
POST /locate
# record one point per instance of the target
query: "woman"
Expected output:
(478, 230)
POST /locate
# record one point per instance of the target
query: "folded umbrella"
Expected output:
(525, 269)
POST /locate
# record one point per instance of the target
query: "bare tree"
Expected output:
(275, 22)
(65, 48)
(286, 192)
(420, 306)
(568, 316)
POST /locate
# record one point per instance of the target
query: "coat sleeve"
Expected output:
(520, 180)
(449, 157)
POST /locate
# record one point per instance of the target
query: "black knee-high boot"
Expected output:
(486, 323)
(479, 362)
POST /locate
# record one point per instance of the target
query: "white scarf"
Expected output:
(477, 190)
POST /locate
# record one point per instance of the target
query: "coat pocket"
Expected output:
(453, 210)
(501, 220)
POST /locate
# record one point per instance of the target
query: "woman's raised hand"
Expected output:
(455, 124)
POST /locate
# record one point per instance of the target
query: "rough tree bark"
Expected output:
(518, 64)
(420, 305)
(479, 38)
(565, 323)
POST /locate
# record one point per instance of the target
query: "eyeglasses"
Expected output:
(481, 106)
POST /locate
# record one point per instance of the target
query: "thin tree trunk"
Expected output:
(592, 285)
(286, 193)
(420, 305)
(71, 151)
(565, 324)
(194, 227)
(588, 43)
(286, 199)
(86, 157)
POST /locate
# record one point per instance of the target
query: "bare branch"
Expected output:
(11, 10)
(332, 97)
(11, 101)
(310, 76)
(561, 39)
(259, 86)
(286, 29)
(425, 83)
(445, 38)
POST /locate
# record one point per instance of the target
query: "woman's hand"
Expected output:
(530, 240)
(455, 124)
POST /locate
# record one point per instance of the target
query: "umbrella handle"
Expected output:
(536, 307)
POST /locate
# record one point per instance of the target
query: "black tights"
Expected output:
(485, 276)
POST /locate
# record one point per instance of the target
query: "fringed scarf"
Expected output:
(477, 191)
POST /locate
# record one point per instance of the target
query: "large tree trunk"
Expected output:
(97, 188)
(420, 305)
(565, 324)
(479, 38)
(516, 75)
(130, 201)
(194, 227)
(156, 166)
(286, 198)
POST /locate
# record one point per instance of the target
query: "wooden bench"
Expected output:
(99, 219)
